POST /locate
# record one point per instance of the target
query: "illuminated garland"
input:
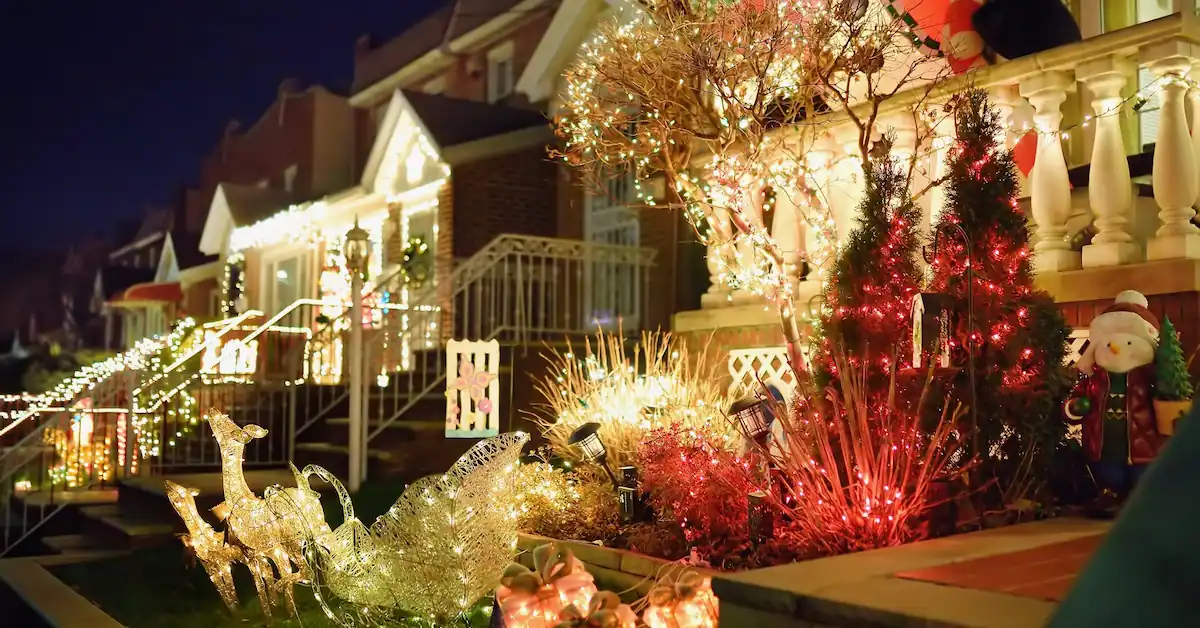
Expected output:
(233, 288)
(417, 264)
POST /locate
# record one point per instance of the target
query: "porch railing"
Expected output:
(1084, 92)
(76, 439)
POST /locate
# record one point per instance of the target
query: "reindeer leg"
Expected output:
(222, 580)
(261, 578)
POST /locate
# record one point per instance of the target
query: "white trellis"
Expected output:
(747, 367)
(472, 389)
(1076, 346)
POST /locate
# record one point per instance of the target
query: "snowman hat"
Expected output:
(1129, 314)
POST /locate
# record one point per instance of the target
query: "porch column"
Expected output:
(718, 249)
(942, 139)
(1050, 190)
(821, 218)
(1174, 177)
(849, 185)
(1110, 190)
(786, 231)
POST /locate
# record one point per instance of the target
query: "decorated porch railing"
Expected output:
(1133, 86)
(517, 289)
(77, 438)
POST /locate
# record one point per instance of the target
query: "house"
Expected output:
(1127, 48)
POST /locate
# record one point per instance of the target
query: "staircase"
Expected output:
(527, 293)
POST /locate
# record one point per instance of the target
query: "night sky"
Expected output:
(109, 106)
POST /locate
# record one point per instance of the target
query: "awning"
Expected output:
(150, 294)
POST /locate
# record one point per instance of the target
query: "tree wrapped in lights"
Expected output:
(874, 278)
(1017, 337)
(660, 383)
(748, 84)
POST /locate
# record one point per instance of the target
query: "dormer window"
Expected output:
(500, 72)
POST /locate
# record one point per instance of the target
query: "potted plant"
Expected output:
(1173, 387)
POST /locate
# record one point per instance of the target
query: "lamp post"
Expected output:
(356, 251)
(587, 438)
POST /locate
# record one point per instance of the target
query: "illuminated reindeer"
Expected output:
(275, 527)
(215, 554)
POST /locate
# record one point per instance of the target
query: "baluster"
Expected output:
(1174, 176)
(1005, 99)
(1050, 196)
(1110, 190)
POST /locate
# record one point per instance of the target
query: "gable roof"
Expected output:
(453, 121)
(454, 20)
(445, 122)
(187, 250)
(113, 280)
(570, 27)
(236, 205)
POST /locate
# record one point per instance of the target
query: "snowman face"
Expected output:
(1121, 352)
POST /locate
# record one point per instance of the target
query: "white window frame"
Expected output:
(501, 75)
(269, 300)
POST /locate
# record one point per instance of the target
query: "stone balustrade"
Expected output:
(1083, 85)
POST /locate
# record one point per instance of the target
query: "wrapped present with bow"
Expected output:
(537, 598)
(604, 611)
(688, 603)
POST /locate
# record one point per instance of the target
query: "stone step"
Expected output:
(110, 528)
(73, 548)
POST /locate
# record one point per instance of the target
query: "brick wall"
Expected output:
(513, 193)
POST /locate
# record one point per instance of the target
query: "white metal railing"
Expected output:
(79, 437)
(1032, 93)
(517, 289)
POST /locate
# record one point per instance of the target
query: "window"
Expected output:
(288, 278)
(436, 86)
(289, 177)
(500, 72)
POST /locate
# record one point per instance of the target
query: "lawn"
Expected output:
(156, 588)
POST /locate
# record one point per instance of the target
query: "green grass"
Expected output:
(155, 588)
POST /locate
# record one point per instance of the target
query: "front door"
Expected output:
(612, 290)
(288, 278)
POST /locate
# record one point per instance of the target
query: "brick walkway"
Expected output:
(1045, 573)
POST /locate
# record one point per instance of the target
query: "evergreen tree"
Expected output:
(875, 276)
(1017, 337)
(1173, 383)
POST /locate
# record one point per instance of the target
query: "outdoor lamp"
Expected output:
(357, 248)
(587, 438)
(752, 416)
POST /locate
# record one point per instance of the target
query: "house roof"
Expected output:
(116, 279)
(453, 121)
(187, 250)
(455, 19)
(249, 204)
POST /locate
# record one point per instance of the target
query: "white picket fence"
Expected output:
(472, 389)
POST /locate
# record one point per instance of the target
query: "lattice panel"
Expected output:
(767, 364)
(1078, 343)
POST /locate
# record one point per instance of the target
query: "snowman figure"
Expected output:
(1114, 400)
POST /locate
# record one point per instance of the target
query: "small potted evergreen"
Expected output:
(1173, 389)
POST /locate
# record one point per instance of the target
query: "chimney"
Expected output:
(362, 45)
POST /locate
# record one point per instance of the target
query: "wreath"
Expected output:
(417, 264)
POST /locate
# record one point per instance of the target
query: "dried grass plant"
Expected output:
(629, 393)
(858, 469)
(575, 505)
